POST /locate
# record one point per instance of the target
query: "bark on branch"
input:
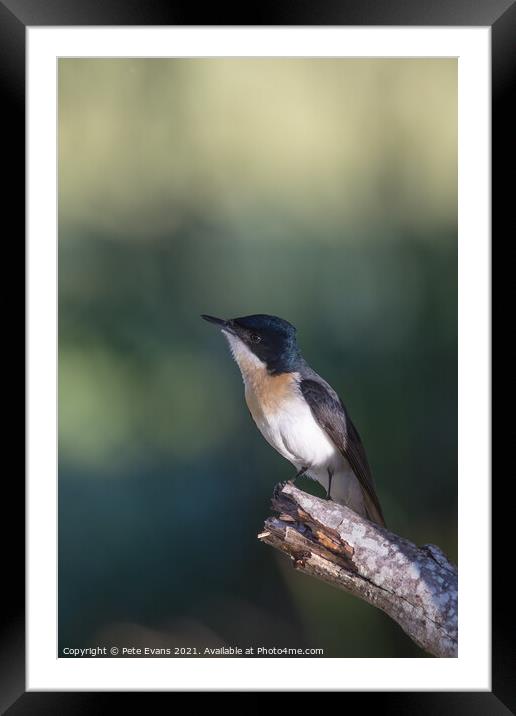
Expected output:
(415, 586)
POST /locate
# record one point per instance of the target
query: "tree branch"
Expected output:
(417, 587)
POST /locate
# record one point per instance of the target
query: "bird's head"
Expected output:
(261, 339)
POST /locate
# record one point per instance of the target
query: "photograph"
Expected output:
(258, 354)
(257, 357)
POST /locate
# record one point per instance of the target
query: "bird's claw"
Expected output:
(280, 485)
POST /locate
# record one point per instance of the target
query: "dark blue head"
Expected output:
(271, 339)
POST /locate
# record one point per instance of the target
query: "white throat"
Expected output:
(250, 365)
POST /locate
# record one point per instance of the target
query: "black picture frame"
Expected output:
(15, 17)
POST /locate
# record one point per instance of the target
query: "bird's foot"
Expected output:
(278, 489)
(299, 473)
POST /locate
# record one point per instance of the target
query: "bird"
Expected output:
(298, 413)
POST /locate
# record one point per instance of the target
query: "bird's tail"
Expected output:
(347, 491)
(373, 511)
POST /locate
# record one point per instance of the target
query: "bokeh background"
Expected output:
(322, 191)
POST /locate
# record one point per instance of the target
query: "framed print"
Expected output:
(317, 188)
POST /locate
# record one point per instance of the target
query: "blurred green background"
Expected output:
(322, 191)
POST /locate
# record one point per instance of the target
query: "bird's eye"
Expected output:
(255, 338)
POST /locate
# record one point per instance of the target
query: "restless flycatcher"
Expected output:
(299, 413)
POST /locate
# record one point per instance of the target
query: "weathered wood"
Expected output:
(415, 586)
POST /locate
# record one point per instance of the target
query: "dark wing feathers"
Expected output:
(332, 416)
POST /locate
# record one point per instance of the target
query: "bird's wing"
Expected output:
(331, 415)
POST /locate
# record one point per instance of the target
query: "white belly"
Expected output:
(294, 433)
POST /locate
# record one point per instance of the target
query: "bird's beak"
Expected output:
(221, 322)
